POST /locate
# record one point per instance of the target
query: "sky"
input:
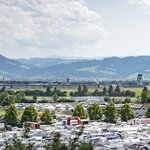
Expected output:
(74, 28)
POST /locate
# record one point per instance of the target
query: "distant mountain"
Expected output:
(112, 68)
(41, 62)
(44, 62)
(11, 68)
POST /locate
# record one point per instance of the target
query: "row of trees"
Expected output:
(19, 97)
(81, 91)
(11, 116)
(104, 92)
(118, 100)
(48, 92)
(110, 113)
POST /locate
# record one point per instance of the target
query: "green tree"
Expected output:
(35, 98)
(147, 113)
(48, 91)
(8, 101)
(144, 97)
(95, 112)
(11, 115)
(29, 114)
(127, 113)
(79, 111)
(145, 89)
(110, 113)
(86, 146)
(117, 90)
(71, 94)
(85, 90)
(107, 99)
(110, 90)
(11, 100)
(55, 90)
(3, 98)
(96, 92)
(79, 90)
(19, 96)
(55, 97)
(127, 100)
(104, 91)
(46, 117)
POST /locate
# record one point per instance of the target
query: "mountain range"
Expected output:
(111, 68)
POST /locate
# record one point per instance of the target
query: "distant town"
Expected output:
(74, 74)
(82, 115)
(68, 83)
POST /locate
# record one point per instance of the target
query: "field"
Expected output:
(68, 90)
(138, 91)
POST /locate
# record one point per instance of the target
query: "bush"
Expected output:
(25, 100)
(65, 100)
(44, 101)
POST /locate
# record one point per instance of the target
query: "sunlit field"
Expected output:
(138, 91)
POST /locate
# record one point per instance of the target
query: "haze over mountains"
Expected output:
(112, 68)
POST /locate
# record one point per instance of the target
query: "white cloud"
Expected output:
(140, 2)
(144, 3)
(49, 25)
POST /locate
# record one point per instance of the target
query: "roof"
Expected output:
(137, 106)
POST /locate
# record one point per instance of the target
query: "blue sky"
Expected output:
(74, 28)
(128, 25)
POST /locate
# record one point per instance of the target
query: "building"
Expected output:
(136, 121)
(139, 80)
(139, 109)
(32, 125)
(68, 80)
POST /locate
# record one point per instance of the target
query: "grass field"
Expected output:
(74, 90)
(138, 91)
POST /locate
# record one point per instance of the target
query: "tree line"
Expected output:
(110, 112)
(81, 91)
(8, 97)
(12, 118)
(110, 91)
(36, 92)
(94, 112)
